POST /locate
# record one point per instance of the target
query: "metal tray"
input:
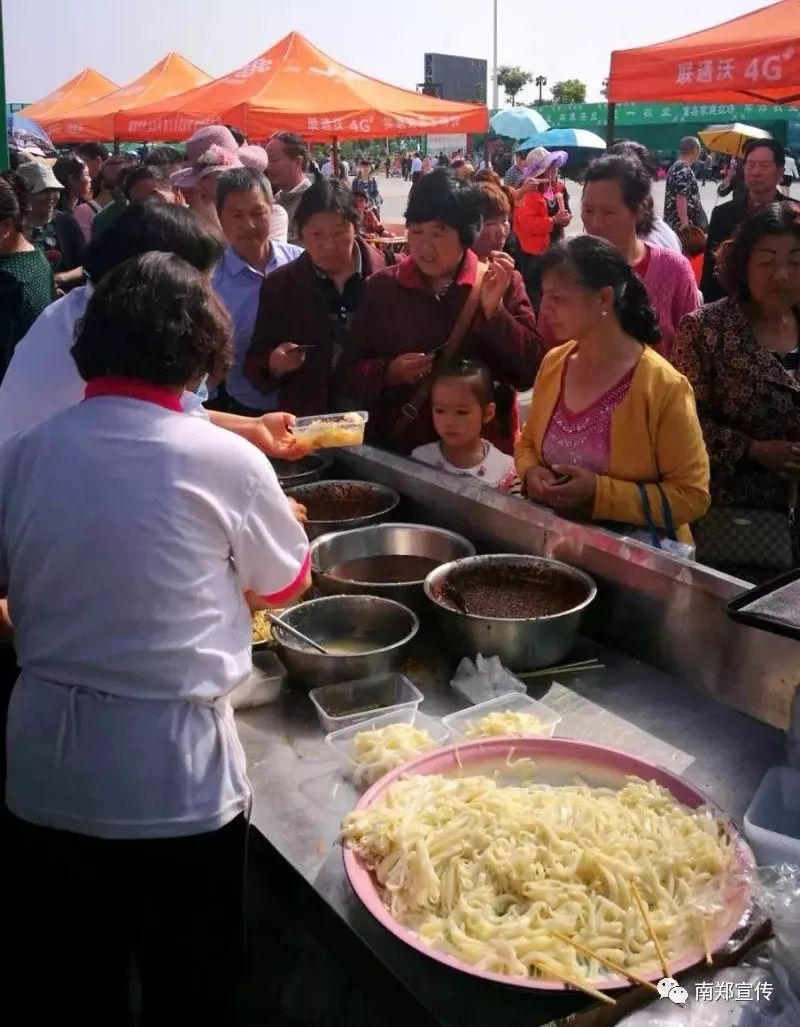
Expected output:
(773, 606)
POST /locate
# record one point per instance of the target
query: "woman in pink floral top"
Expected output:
(463, 402)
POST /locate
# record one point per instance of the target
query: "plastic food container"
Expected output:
(514, 702)
(353, 702)
(264, 685)
(326, 431)
(341, 742)
(772, 820)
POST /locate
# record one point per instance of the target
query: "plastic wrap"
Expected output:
(484, 679)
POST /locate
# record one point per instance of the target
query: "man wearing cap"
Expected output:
(55, 232)
(288, 163)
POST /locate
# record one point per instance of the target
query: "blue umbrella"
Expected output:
(517, 122)
(24, 133)
(564, 139)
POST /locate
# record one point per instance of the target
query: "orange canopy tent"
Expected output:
(752, 58)
(296, 87)
(87, 86)
(97, 121)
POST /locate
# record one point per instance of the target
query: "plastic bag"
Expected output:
(484, 679)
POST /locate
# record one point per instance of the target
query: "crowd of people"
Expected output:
(165, 319)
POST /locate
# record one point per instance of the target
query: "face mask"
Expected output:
(193, 401)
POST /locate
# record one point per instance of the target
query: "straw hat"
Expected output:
(211, 150)
(540, 160)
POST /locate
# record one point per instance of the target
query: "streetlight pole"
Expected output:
(495, 86)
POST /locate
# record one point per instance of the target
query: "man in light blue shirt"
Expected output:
(244, 204)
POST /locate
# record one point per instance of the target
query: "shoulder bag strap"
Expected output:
(669, 520)
(410, 411)
(648, 512)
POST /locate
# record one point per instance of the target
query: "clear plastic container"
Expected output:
(514, 702)
(327, 431)
(772, 820)
(264, 684)
(351, 702)
(341, 742)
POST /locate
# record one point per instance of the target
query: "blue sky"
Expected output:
(48, 41)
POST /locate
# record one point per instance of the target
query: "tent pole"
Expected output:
(610, 123)
(4, 162)
(336, 156)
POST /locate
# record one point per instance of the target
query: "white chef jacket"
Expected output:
(128, 533)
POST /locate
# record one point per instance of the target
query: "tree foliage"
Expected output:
(571, 90)
(513, 79)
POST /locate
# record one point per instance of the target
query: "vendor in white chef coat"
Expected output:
(129, 536)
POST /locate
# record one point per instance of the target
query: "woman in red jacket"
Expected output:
(533, 221)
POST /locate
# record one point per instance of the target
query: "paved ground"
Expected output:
(395, 194)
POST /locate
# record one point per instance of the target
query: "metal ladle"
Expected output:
(276, 622)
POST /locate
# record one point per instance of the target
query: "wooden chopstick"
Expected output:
(616, 967)
(648, 924)
(574, 982)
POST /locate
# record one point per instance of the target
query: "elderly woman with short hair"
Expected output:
(306, 308)
(411, 312)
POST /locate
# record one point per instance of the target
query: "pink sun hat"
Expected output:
(211, 150)
(540, 160)
(254, 158)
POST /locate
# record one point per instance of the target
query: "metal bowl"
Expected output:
(340, 505)
(385, 625)
(337, 548)
(292, 473)
(521, 643)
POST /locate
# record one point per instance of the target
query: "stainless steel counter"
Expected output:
(300, 799)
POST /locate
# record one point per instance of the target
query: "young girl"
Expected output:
(463, 401)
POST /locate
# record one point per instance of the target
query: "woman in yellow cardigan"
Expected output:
(608, 412)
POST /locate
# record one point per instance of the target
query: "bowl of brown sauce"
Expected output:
(525, 609)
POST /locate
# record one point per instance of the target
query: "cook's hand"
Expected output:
(299, 511)
(577, 492)
(528, 186)
(285, 359)
(408, 368)
(496, 282)
(271, 433)
(777, 456)
(536, 479)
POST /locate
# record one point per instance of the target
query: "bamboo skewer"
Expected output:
(648, 924)
(574, 983)
(616, 967)
(706, 942)
(566, 668)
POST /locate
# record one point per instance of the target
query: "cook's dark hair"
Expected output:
(241, 180)
(64, 169)
(14, 199)
(775, 148)
(160, 156)
(295, 147)
(597, 265)
(634, 184)
(734, 255)
(440, 196)
(154, 318)
(326, 196)
(153, 225)
(472, 373)
(91, 151)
